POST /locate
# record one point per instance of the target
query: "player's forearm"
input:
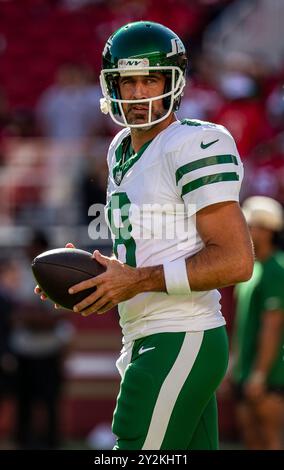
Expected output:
(213, 268)
(208, 269)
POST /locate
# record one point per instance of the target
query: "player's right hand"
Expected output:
(39, 291)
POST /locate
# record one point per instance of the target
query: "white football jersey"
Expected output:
(152, 200)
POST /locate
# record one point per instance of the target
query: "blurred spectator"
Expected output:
(275, 107)
(22, 124)
(69, 114)
(202, 100)
(264, 170)
(92, 188)
(69, 109)
(9, 280)
(4, 112)
(39, 341)
(243, 112)
(76, 4)
(23, 174)
(4, 121)
(258, 372)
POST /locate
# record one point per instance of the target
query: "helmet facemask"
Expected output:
(113, 104)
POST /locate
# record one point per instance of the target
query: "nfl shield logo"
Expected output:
(118, 177)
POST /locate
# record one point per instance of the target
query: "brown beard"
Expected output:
(156, 115)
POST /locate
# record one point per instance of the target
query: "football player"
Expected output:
(178, 235)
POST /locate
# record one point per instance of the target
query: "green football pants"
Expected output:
(167, 393)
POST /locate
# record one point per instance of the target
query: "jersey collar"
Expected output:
(126, 158)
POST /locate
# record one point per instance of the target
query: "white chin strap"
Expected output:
(107, 102)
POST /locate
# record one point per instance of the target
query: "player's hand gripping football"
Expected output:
(37, 289)
(118, 283)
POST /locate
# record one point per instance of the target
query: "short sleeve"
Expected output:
(208, 169)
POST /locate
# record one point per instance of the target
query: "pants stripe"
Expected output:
(171, 388)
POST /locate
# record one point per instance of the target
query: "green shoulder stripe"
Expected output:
(210, 179)
(190, 122)
(202, 162)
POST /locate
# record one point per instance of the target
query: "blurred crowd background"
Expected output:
(58, 381)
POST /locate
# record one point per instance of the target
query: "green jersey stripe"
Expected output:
(216, 178)
(202, 162)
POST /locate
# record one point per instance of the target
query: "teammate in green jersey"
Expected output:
(259, 332)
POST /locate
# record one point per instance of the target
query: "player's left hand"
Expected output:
(118, 283)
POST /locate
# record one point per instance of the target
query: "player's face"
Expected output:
(138, 88)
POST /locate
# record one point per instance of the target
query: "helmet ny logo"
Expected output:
(177, 47)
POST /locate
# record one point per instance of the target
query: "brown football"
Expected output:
(57, 270)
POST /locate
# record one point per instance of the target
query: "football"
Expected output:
(57, 270)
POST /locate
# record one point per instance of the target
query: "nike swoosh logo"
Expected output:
(204, 146)
(142, 350)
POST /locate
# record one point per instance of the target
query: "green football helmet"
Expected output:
(138, 49)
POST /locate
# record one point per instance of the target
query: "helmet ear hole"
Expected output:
(167, 89)
(177, 103)
(115, 94)
(115, 107)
